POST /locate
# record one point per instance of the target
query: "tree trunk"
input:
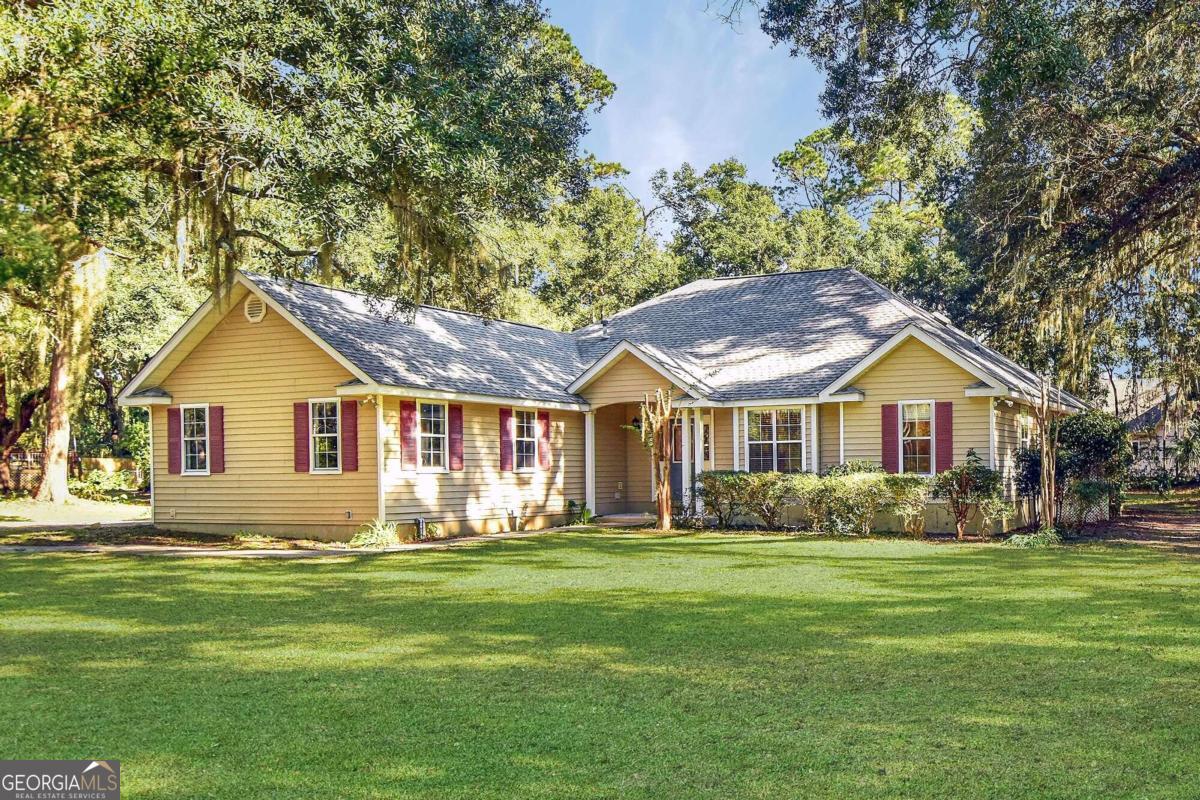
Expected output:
(662, 463)
(55, 454)
(81, 289)
(116, 420)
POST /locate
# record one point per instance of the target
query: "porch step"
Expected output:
(623, 520)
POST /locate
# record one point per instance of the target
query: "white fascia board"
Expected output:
(359, 390)
(989, 391)
(138, 402)
(764, 402)
(601, 365)
(910, 331)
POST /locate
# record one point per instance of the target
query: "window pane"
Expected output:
(325, 454)
(195, 434)
(917, 455)
(677, 441)
(916, 419)
(761, 457)
(759, 426)
(790, 457)
(433, 418)
(789, 425)
(526, 424)
(196, 455)
(431, 452)
(526, 454)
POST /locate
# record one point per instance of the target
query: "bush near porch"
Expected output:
(844, 501)
(849, 498)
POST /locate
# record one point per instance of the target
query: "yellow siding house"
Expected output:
(290, 408)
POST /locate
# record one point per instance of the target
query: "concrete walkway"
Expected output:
(225, 552)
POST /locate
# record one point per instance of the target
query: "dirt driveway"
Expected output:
(1172, 522)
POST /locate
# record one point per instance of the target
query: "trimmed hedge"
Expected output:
(843, 502)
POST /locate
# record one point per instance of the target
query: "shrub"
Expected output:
(376, 535)
(724, 494)
(1047, 537)
(765, 494)
(909, 495)
(854, 501)
(854, 467)
(579, 513)
(971, 489)
(101, 485)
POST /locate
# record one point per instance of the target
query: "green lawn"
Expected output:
(609, 666)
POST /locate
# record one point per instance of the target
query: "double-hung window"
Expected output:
(1025, 432)
(916, 437)
(195, 440)
(775, 440)
(525, 440)
(432, 436)
(324, 424)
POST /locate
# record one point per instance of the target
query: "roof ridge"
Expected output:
(425, 306)
(781, 273)
(656, 298)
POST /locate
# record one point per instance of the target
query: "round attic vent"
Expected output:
(255, 308)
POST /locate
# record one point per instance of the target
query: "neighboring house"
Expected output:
(291, 408)
(1156, 437)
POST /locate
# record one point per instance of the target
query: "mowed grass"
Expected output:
(592, 665)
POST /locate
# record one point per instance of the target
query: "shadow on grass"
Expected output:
(602, 665)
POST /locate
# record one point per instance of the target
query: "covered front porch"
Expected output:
(620, 476)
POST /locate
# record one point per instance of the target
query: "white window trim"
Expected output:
(183, 470)
(536, 443)
(932, 433)
(775, 441)
(312, 437)
(445, 467)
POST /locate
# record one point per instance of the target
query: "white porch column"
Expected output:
(737, 438)
(841, 433)
(816, 442)
(991, 433)
(698, 458)
(589, 460)
(686, 480)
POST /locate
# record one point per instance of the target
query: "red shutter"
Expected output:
(300, 437)
(543, 439)
(943, 427)
(506, 440)
(890, 441)
(456, 438)
(216, 439)
(408, 434)
(349, 436)
(174, 441)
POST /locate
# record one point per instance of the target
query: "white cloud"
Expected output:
(689, 87)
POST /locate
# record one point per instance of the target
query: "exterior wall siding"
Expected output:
(913, 371)
(480, 497)
(628, 380)
(256, 372)
(612, 445)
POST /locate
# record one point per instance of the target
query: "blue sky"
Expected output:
(689, 87)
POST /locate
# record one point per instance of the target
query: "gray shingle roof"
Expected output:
(757, 337)
(438, 349)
